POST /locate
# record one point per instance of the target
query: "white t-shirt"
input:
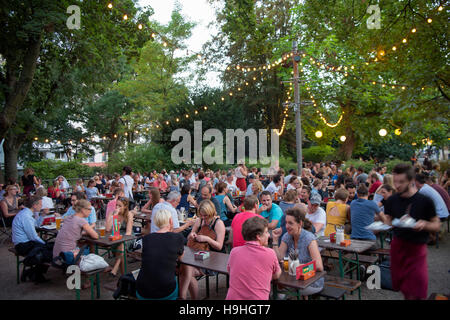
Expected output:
(319, 216)
(165, 206)
(231, 186)
(127, 186)
(47, 203)
(290, 187)
(272, 188)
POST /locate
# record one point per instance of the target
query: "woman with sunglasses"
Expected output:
(125, 221)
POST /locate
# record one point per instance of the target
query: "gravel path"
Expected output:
(438, 263)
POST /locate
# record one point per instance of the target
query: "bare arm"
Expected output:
(220, 231)
(431, 226)
(315, 254)
(90, 231)
(130, 221)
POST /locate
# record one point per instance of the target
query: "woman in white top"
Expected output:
(294, 183)
(126, 182)
(240, 173)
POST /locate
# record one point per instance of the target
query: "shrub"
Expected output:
(319, 153)
(50, 169)
(366, 165)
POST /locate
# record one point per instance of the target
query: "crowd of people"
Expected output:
(289, 211)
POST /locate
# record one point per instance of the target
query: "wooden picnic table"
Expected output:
(218, 261)
(290, 281)
(104, 242)
(356, 247)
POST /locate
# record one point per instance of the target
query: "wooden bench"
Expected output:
(329, 292)
(362, 258)
(18, 262)
(94, 278)
(342, 283)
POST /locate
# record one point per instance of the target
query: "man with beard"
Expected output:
(409, 269)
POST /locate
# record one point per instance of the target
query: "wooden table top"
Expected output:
(217, 261)
(290, 281)
(357, 246)
(105, 242)
(143, 216)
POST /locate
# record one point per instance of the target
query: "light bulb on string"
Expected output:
(430, 20)
(398, 132)
(110, 5)
(382, 132)
(140, 26)
(343, 138)
(319, 134)
(125, 17)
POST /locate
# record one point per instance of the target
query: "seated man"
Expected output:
(316, 214)
(206, 194)
(271, 211)
(26, 239)
(275, 186)
(362, 214)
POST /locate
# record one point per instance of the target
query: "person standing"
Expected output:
(241, 173)
(126, 183)
(29, 181)
(409, 268)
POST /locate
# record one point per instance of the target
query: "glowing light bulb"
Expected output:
(414, 30)
(382, 132)
(398, 132)
(125, 17)
(110, 5)
(140, 26)
(394, 48)
(319, 134)
(343, 138)
(430, 20)
(404, 40)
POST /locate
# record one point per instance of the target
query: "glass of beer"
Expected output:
(58, 223)
(101, 227)
(286, 264)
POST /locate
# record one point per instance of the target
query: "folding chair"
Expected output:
(5, 230)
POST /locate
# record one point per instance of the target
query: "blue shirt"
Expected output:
(24, 228)
(439, 204)
(91, 219)
(362, 214)
(275, 213)
(223, 207)
(91, 192)
(249, 190)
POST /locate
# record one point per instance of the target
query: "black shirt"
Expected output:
(28, 181)
(160, 252)
(100, 187)
(422, 208)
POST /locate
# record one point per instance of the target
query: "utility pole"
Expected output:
(298, 122)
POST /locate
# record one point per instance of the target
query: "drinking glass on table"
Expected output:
(58, 223)
(101, 227)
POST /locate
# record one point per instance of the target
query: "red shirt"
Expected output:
(52, 191)
(443, 193)
(375, 186)
(236, 226)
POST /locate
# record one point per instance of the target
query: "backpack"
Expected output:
(61, 263)
(126, 287)
(38, 255)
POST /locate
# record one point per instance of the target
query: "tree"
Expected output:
(78, 63)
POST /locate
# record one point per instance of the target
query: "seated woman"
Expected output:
(10, 205)
(55, 193)
(72, 229)
(125, 220)
(338, 212)
(186, 198)
(209, 220)
(257, 188)
(154, 198)
(301, 240)
(99, 185)
(386, 191)
(79, 186)
(91, 190)
(225, 203)
(47, 204)
(254, 283)
(91, 218)
(160, 252)
(294, 183)
(118, 193)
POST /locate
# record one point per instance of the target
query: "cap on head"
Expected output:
(315, 199)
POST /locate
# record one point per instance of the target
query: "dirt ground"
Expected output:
(438, 264)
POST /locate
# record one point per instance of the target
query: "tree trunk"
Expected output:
(348, 145)
(16, 90)
(11, 148)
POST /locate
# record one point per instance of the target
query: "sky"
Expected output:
(198, 11)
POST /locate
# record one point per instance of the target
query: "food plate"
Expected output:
(378, 226)
(404, 223)
(49, 227)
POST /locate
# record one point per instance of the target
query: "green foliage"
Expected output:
(141, 158)
(50, 169)
(392, 163)
(319, 153)
(366, 165)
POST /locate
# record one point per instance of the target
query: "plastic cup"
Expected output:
(58, 223)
